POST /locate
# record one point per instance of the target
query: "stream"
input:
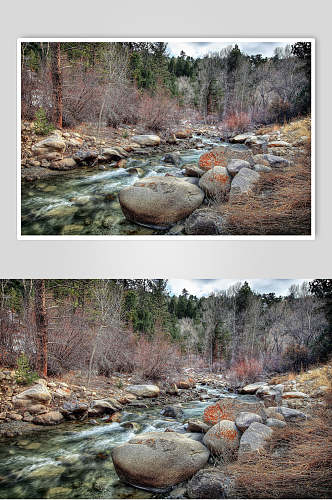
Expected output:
(72, 460)
(85, 202)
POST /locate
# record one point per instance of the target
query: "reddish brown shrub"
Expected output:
(236, 122)
(156, 358)
(245, 370)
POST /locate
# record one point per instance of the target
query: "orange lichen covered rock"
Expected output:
(215, 413)
(216, 183)
(221, 155)
(223, 437)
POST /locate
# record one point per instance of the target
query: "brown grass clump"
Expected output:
(279, 205)
(296, 464)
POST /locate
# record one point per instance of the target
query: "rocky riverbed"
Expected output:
(61, 440)
(74, 184)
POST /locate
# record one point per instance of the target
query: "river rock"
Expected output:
(144, 391)
(36, 394)
(58, 492)
(222, 438)
(252, 388)
(49, 418)
(160, 201)
(262, 168)
(254, 438)
(275, 422)
(173, 158)
(110, 154)
(183, 133)
(65, 164)
(146, 140)
(244, 419)
(272, 161)
(51, 143)
(294, 395)
(85, 157)
(172, 411)
(197, 426)
(243, 182)
(204, 221)
(234, 166)
(106, 405)
(271, 412)
(192, 170)
(222, 155)
(290, 414)
(278, 144)
(240, 138)
(210, 483)
(216, 182)
(158, 461)
(74, 409)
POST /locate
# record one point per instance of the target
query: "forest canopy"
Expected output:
(137, 326)
(135, 82)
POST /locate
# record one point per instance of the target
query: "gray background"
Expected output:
(169, 259)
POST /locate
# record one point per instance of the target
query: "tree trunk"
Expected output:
(56, 83)
(41, 324)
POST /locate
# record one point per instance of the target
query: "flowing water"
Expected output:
(72, 460)
(85, 200)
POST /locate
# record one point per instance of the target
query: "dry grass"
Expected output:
(296, 464)
(321, 375)
(295, 129)
(279, 205)
(280, 379)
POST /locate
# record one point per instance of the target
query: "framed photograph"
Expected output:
(177, 138)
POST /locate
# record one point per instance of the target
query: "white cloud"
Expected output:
(201, 287)
(199, 49)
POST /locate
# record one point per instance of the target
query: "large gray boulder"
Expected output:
(216, 182)
(254, 438)
(234, 166)
(210, 483)
(273, 161)
(146, 140)
(160, 201)
(52, 144)
(244, 419)
(223, 438)
(204, 221)
(158, 461)
(35, 394)
(243, 182)
(144, 391)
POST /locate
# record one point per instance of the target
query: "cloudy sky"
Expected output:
(198, 49)
(201, 287)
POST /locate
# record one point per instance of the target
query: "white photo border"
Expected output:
(169, 237)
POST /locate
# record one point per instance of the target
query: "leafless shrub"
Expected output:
(158, 112)
(156, 358)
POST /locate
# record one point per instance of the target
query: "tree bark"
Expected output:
(41, 324)
(56, 83)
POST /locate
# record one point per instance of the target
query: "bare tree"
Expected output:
(41, 326)
(56, 83)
